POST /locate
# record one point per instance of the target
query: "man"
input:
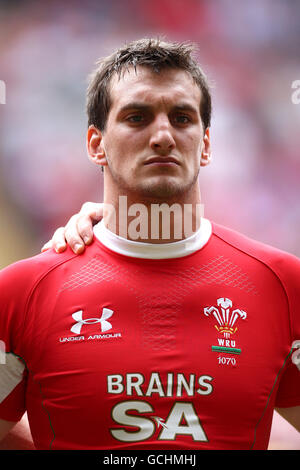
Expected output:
(168, 331)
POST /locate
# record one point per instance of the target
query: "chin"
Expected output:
(156, 188)
(163, 190)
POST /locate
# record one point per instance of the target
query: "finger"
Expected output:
(92, 210)
(90, 213)
(47, 246)
(85, 229)
(72, 235)
(58, 240)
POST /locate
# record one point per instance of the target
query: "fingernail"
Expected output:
(86, 239)
(77, 247)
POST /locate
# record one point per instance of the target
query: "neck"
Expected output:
(153, 221)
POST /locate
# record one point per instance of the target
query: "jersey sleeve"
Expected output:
(14, 289)
(288, 393)
(19, 283)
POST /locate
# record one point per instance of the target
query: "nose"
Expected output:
(162, 141)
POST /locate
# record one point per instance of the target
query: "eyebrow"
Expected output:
(145, 107)
(134, 105)
(185, 107)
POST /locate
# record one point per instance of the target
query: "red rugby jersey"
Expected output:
(123, 348)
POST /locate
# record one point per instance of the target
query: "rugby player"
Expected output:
(154, 337)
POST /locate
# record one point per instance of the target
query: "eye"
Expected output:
(182, 119)
(135, 118)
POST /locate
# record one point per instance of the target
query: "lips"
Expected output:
(161, 160)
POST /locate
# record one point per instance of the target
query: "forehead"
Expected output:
(169, 86)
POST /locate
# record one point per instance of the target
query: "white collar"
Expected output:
(152, 250)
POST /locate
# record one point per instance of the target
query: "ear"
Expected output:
(95, 147)
(206, 149)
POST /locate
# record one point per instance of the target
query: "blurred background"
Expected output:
(250, 52)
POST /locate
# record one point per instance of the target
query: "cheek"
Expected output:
(124, 143)
(120, 156)
(114, 148)
(192, 147)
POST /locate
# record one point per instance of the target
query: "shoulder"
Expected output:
(284, 264)
(18, 283)
(24, 274)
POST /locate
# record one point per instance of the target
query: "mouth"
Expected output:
(160, 161)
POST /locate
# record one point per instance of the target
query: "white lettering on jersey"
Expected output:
(203, 384)
(155, 386)
(176, 385)
(145, 425)
(134, 382)
(182, 420)
(173, 424)
(114, 384)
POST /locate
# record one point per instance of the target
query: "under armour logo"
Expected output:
(105, 325)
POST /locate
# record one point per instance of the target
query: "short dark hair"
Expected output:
(153, 53)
